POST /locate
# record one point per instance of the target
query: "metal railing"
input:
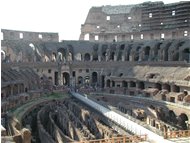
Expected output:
(177, 134)
(123, 139)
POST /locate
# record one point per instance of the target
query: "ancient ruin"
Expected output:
(133, 60)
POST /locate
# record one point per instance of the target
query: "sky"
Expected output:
(62, 16)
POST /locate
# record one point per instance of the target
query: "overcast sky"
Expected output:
(62, 16)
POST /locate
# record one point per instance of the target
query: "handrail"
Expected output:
(123, 139)
(177, 134)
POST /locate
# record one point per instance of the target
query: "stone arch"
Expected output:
(112, 54)
(3, 55)
(186, 55)
(86, 57)
(158, 86)
(108, 83)
(61, 54)
(141, 85)
(87, 80)
(80, 80)
(156, 51)
(163, 97)
(124, 84)
(132, 84)
(136, 55)
(78, 57)
(164, 51)
(95, 56)
(183, 121)
(172, 116)
(128, 52)
(166, 87)
(54, 56)
(66, 79)
(94, 78)
(176, 88)
(146, 53)
(15, 89)
(113, 83)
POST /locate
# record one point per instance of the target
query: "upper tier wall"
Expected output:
(29, 36)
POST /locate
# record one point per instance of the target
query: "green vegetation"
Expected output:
(21, 110)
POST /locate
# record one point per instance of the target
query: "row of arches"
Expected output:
(145, 51)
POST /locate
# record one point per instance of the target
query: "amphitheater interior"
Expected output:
(133, 60)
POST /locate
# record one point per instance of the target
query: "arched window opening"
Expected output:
(113, 83)
(146, 53)
(87, 57)
(176, 88)
(164, 97)
(132, 84)
(102, 81)
(80, 80)
(87, 36)
(124, 84)
(54, 56)
(183, 121)
(78, 57)
(66, 79)
(167, 87)
(172, 117)
(87, 80)
(3, 55)
(95, 57)
(141, 85)
(108, 83)
(158, 86)
(186, 55)
(94, 78)
(112, 55)
(62, 54)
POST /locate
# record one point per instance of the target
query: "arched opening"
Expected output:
(158, 86)
(94, 78)
(172, 117)
(141, 85)
(108, 83)
(15, 89)
(176, 88)
(175, 56)
(87, 80)
(186, 55)
(66, 78)
(78, 57)
(146, 53)
(87, 57)
(112, 56)
(183, 121)
(166, 87)
(80, 80)
(87, 36)
(124, 84)
(102, 81)
(54, 57)
(113, 83)
(132, 84)
(3, 55)
(95, 57)
(164, 97)
(62, 54)
(165, 51)
(136, 55)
